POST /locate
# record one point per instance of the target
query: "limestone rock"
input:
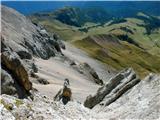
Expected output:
(112, 90)
(30, 66)
(141, 102)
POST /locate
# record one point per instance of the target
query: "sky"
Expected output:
(29, 7)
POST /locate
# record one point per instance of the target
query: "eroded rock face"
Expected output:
(112, 90)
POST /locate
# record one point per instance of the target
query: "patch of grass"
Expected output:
(18, 102)
(122, 56)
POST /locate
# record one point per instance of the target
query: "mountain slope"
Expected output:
(21, 41)
(32, 59)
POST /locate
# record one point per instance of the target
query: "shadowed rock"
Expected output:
(86, 69)
(12, 62)
(7, 83)
(42, 81)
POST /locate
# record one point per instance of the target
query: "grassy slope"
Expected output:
(66, 32)
(121, 56)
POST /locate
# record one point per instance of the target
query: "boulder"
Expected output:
(55, 36)
(11, 61)
(91, 73)
(42, 81)
(113, 89)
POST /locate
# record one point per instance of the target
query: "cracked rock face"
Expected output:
(113, 89)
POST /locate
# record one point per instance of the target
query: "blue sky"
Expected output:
(28, 7)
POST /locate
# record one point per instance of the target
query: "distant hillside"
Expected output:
(76, 16)
(137, 37)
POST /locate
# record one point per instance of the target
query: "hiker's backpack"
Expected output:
(67, 92)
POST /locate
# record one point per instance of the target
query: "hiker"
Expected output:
(64, 94)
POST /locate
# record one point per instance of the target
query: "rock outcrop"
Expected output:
(15, 78)
(113, 89)
(141, 102)
(87, 70)
(12, 62)
(90, 72)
